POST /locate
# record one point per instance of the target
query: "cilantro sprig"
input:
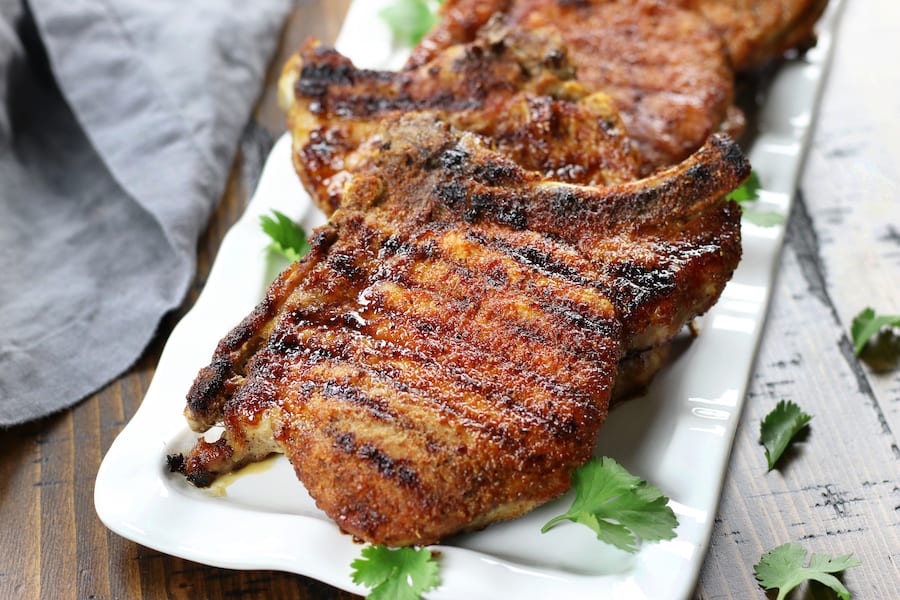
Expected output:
(288, 238)
(867, 324)
(779, 427)
(747, 195)
(749, 191)
(783, 568)
(410, 20)
(396, 574)
(618, 506)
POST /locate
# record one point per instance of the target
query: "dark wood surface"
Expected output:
(838, 493)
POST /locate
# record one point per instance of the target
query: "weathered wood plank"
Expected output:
(839, 490)
(57, 518)
(852, 183)
(20, 506)
(90, 534)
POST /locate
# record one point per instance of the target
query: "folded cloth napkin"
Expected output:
(119, 122)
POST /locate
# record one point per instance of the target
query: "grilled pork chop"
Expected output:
(443, 357)
(515, 87)
(512, 85)
(665, 68)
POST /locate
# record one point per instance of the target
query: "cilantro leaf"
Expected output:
(763, 218)
(410, 20)
(288, 238)
(400, 574)
(866, 324)
(779, 427)
(618, 506)
(746, 196)
(783, 568)
(749, 191)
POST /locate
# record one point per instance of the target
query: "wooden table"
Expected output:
(838, 493)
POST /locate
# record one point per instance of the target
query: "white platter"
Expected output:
(678, 436)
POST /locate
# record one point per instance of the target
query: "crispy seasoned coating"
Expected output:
(515, 88)
(659, 253)
(443, 358)
(665, 68)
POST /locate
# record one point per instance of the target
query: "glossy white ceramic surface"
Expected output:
(678, 436)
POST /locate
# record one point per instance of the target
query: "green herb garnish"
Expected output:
(288, 238)
(746, 196)
(410, 20)
(866, 324)
(783, 568)
(749, 191)
(618, 506)
(398, 574)
(779, 427)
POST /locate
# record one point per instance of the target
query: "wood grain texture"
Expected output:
(837, 492)
(52, 545)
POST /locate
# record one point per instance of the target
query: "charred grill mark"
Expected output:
(483, 207)
(543, 327)
(542, 262)
(580, 320)
(496, 173)
(345, 441)
(322, 149)
(564, 202)
(642, 282)
(434, 377)
(357, 397)
(731, 153)
(388, 467)
(316, 78)
(584, 370)
(207, 387)
(452, 194)
(316, 83)
(344, 265)
(481, 269)
(215, 383)
(451, 158)
(478, 204)
(700, 173)
(285, 343)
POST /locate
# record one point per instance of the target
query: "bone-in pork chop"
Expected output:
(514, 87)
(443, 358)
(666, 68)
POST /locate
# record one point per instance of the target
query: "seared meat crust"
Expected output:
(444, 356)
(515, 88)
(665, 68)
(667, 64)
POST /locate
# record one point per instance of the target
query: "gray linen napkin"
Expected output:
(118, 124)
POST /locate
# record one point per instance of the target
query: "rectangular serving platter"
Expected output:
(678, 436)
